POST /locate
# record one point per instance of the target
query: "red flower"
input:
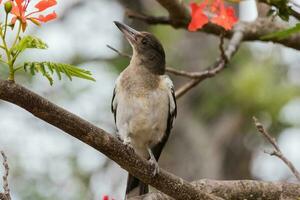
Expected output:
(225, 18)
(20, 7)
(106, 197)
(199, 19)
(221, 15)
(44, 4)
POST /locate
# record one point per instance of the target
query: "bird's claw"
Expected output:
(128, 145)
(154, 163)
(119, 137)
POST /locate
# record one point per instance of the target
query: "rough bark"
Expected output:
(239, 190)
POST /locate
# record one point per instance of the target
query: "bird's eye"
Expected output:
(144, 41)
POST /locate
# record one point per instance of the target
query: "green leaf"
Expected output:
(30, 42)
(280, 35)
(47, 69)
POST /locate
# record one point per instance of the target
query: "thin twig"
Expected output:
(183, 73)
(118, 52)
(5, 176)
(276, 152)
(168, 69)
(147, 18)
(218, 66)
(221, 47)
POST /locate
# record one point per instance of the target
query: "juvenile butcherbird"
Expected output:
(143, 102)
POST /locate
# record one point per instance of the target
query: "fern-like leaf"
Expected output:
(47, 69)
(30, 42)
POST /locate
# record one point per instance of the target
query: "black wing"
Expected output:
(157, 149)
(114, 105)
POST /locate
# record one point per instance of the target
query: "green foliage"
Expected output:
(280, 35)
(47, 69)
(249, 86)
(29, 42)
(262, 88)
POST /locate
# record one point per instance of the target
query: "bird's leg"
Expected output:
(153, 162)
(127, 143)
(118, 136)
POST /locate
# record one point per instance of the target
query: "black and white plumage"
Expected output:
(143, 102)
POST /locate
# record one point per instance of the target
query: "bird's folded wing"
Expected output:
(157, 149)
(114, 100)
(172, 100)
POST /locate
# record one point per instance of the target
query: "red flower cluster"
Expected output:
(19, 9)
(221, 15)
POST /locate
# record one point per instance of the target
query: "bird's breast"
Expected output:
(142, 116)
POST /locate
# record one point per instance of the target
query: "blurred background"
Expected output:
(213, 136)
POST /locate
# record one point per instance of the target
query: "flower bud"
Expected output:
(8, 6)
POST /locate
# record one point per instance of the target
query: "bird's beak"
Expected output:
(129, 33)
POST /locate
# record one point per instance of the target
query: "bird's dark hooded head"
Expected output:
(147, 50)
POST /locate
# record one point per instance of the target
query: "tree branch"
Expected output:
(218, 66)
(126, 158)
(168, 69)
(179, 14)
(101, 141)
(276, 152)
(239, 189)
(6, 194)
(253, 31)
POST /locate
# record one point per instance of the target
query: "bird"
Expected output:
(143, 102)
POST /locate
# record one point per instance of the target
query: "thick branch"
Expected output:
(100, 140)
(253, 31)
(277, 152)
(127, 159)
(241, 189)
(179, 14)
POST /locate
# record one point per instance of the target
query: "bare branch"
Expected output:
(277, 152)
(147, 18)
(6, 194)
(168, 69)
(178, 12)
(219, 64)
(221, 48)
(239, 189)
(119, 52)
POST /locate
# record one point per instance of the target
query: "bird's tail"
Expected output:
(134, 183)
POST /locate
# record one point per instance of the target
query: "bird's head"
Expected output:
(147, 50)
